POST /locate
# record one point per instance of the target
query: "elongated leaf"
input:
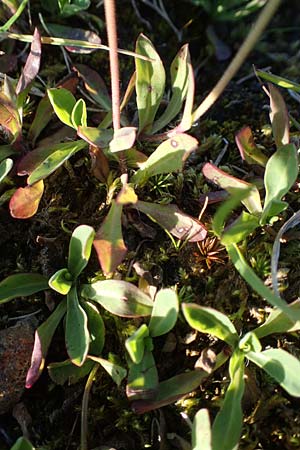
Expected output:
(142, 380)
(94, 85)
(5, 168)
(43, 338)
(56, 159)
(201, 431)
(63, 102)
(22, 444)
(9, 117)
(32, 65)
(168, 157)
(80, 249)
(178, 223)
(278, 322)
(150, 83)
(66, 371)
(227, 426)
(108, 242)
(280, 81)
(280, 365)
(77, 34)
(187, 115)
(256, 283)
(280, 175)
(25, 201)
(21, 285)
(248, 150)
(5, 151)
(96, 328)
(230, 183)
(209, 320)
(77, 334)
(244, 225)
(135, 344)
(79, 114)
(179, 84)
(119, 297)
(279, 117)
(123, 139)
(95, 136)
(165, 312)
(117, 372)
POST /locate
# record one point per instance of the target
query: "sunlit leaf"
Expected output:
(9, 117)
(123, 139)
(178, 223)
(169, 156)
(79, 114)
(77, 334)
(248, 150)
(80, 249)
(119, 297)
(25, 201)
(108, 242)
(94, 85)
(279, 117)
(165, 312)
(22, 444)
(142, 379)
(211, 321)
(63, 102)
(32, 65)
(201, 431)
(280, 81)
(187, 115)
(21, 285)
(135, 344)
(280, 365)
(150, 83)
(5, 168)
(76, 34)
(227, 426)
(61, 281)
(278, 322)
(65, 371)
(117, 372)
(280, 175)
(244, 225)
(95, 136)
(43, 338)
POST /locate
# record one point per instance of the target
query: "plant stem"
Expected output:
(248, 44)
(111, 26)
(84, 408)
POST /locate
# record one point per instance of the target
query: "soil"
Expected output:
(74, 196)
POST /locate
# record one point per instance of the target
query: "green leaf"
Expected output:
(280, 175)
(96, 328)
(142, 380)
(61, 281)
(135, 344)
(79, 114)
(95, 136)
(119, 297)
(231, 184)
(249, 343)
(280, 81)
(42, 117)
(165, 312)
(117, 372)
(188, 118)
(201, 431)
(43, 338)
(255, 282)
(279, 117)
(169, 156)
(6, 151)
(173, 220)
(278, 322)
(21, 285)
(22, 444)
(150, 83)
(66, 371)
(227, 426)
(77, 334)
(123, 139)
(56, 159)
(63, 102)
(248, 150)
(244, 225)
(280, 365)
(5, 167)
(179, 83)
(80, 249)
(211, 321)
(109, 243)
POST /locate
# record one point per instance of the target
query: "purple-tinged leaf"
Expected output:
(248, 150)
(230, 183)
(108, 242)
(94, 85)
(8, 63)
(279, 117)
(25, 201)
(99, 163)
(77, 34)
(43, 338)
(173, 220)
(32, 65)
(142, 380)
(123, 139)
(9, 117)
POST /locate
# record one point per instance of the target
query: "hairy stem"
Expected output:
(248, 44)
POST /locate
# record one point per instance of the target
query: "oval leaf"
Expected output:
(117, 372)
(22, 444)
(77, 334)
(63, 102)
(79, 114)
(248, 150)
(25, 201)
(5, 167)
(61, 281)
(165, 312)
(201, 431)
(80, 249)
(123, 139)
(66, 371)
(119, 297)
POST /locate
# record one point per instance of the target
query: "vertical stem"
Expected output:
(111, 26)
(84, 408)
